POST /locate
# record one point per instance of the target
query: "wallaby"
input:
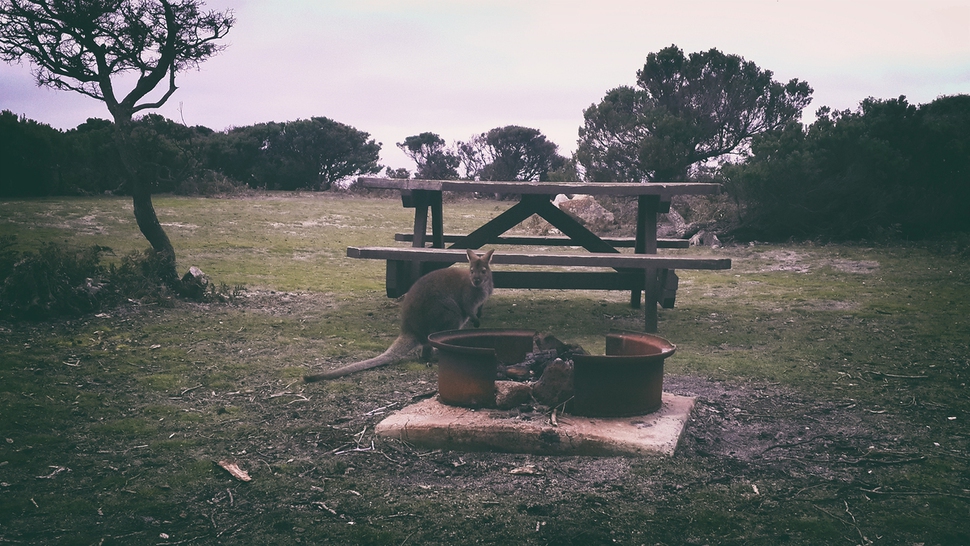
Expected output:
(445, 299)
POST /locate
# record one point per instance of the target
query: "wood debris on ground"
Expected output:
(234, 469)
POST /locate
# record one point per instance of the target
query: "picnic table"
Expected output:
(643, 272)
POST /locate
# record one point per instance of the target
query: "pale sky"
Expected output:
(395, 68)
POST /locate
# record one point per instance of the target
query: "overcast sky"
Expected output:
(395, 68)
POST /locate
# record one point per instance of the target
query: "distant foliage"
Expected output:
(888, 169)
(91, 163)
(311, 154)
(28, 157)
(684, 110)
(431, 155)
(510, 153)
(38, 160)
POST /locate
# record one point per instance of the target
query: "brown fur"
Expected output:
(445, 299)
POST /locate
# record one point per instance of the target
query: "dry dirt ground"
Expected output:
(759, 463)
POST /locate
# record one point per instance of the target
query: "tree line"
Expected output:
(886, 169)
(313, 154)
(308, 154)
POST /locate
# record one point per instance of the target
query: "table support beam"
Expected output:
(496, 226)
(568, 225)
(646, 243)
(651, 294)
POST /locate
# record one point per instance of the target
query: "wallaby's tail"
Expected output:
(397, 352)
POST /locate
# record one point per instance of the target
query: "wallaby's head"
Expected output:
(478, 267)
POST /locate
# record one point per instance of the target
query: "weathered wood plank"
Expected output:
(544, 188)
(569, 280)
(588, 259)
(540, 240)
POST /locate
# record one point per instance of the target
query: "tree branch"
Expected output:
(160, 102)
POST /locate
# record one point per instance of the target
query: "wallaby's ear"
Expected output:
(488, 256)
(471, 255)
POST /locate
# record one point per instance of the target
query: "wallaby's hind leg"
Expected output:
(426, 351)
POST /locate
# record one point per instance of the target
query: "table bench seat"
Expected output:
(526, 240)
(649, 277)
(631, 271)
(586, 259)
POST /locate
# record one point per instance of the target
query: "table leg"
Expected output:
(437, 221)
(397, 278)
(651, 294)
(420, 202)
(646, 241)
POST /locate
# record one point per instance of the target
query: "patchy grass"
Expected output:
(831, 384)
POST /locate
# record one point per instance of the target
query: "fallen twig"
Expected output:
(189, 390)
(846, 523)
(866, 459)
(381, 409)
(284, 393)
(795, 444)
(57, 470)
(897, 376)
(334, 451)
(424, 396)
(916, 493)
(323, 506)
(358, 448)
(407, 538)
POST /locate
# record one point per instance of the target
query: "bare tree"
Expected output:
(92, 47)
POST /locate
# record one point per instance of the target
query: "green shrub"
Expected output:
(54, 281)
(61, 281)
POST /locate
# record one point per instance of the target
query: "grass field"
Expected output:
(831, 381)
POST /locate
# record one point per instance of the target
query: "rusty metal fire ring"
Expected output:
(627, 381)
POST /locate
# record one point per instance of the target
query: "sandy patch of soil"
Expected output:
(795, 262)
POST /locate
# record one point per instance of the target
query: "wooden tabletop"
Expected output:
(583, 259)
(543, 188)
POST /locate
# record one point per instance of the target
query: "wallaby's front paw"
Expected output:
(476, 323)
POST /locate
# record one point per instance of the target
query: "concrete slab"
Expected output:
(432, 424)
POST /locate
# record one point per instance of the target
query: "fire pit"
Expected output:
(468, 362)
(627, 381)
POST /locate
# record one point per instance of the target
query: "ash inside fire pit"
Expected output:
(546, 349)
(627, 381)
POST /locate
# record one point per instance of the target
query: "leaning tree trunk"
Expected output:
(150, 227)
(147, 220)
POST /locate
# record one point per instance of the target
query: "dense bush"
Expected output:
(888, 169)
(311, 154)
(28, 157)
(38, 160)
(61, 281)
(54, 281)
